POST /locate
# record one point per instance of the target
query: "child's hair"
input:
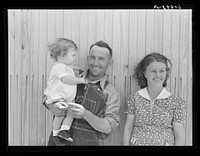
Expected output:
(144, 63)
(60, 47)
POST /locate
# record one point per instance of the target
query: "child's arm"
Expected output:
(72, 80)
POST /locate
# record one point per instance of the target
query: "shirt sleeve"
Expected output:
(60, 70)
(179, 111)
(130, 104)
(112, 107)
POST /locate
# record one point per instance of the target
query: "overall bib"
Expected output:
(93, 99)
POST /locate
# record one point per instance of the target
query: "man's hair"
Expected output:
(102, 44)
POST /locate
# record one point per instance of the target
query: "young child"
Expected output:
(62, 85)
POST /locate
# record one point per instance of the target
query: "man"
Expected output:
(100, 99)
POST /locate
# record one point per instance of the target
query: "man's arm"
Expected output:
(54, 109)
(100, 124)
(111, 119)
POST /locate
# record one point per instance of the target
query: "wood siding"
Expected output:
(131, 33)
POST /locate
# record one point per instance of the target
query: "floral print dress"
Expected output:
(153, 123)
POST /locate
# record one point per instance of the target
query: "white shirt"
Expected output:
(56, 88)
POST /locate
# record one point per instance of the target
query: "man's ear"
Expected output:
(111, 62)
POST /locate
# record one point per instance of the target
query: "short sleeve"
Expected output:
(59, 70)
(130, 104)
(179, 110)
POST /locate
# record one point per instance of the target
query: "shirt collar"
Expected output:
(163, 94)
(102, 80)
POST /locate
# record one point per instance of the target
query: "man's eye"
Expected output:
(101, 58)
(91, 57)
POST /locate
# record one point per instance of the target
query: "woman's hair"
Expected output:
(60, 47)
(102, 44)
(144, 63)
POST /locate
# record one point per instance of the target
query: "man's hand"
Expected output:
(56, 110)
(77, 110)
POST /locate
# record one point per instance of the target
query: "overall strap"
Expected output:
(106, 84)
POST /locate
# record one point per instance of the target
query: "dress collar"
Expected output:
(163, 94)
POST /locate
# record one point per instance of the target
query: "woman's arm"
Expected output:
(128, 129)
(72, 80)
(179, 133)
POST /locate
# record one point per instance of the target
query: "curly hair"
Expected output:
(60, 47)
(144, 63)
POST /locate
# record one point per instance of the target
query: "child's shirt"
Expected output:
(56, 88)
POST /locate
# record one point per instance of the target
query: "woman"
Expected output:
(155, 116)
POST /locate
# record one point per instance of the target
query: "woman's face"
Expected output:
(156, 74)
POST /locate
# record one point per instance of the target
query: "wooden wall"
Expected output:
(131, 33)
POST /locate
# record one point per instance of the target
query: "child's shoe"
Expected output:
(65, 134)
(59, 141)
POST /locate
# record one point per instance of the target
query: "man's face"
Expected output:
(98, 60)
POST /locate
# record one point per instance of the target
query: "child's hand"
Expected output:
(61, 105)
(86, 81)
(77, 110)
(75, 107)
(78, 72)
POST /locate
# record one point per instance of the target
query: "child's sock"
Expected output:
(55, 132)
(65, 127)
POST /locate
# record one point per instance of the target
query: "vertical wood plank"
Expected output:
(42, 63)
(59, 23)
(83, 39)
(167, 38)
(26, 66)
(185, 52)
(34, 69)
(149, 31)
(18, 72)
(49, 63)
(67, 24)
(124, 44)
(76, 29)
(11, 36)
(158, 29)
(100, 24)
(141, 22)
(116, 67)
(189, 84)
(133, 50)
(108, 39)
(175, 52)
(92, 28)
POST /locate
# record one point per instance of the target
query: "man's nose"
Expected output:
(96, 62)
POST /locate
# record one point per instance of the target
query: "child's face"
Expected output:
(70, 57)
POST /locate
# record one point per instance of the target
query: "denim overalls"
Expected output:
(91, 96)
